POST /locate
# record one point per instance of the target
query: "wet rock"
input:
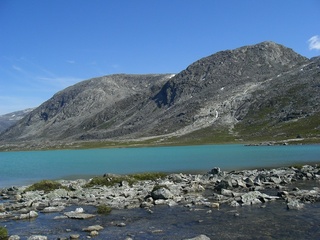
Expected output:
(74, 236)
(5, 215)
(53, 209)
(122, 224)
(78, 215)
(234, 203)
(37, 237)
(293, 204)
(14, 237)
(200, 237)
(255, 197)
(31, 214)
(162, 193)
(92, 228)
(94, 233)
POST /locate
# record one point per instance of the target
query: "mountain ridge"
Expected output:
(226, 90)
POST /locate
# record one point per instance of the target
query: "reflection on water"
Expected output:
(269, 221)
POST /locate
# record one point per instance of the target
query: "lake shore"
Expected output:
(290, 187)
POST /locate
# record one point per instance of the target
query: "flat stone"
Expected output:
(92, 228)
(94, 233)
(37, 237)
(200, 237)
(14, 237)
(53, 209)
(76, 215)
(74, 236)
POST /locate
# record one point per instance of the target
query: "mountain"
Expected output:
(259, 92)
(10, 119)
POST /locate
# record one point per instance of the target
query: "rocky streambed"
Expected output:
(265, 204)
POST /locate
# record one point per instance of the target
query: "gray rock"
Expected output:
(161, 193)
(200, 237)
(122, 224)
(215, 171)
(276, 180)
(14, 237)
(94, 233)
(74, 236)
(92, 228)
(294, 204)
(37, 237)
(224, 184)
(53, 209)
(251, 198)
(31, 214)
(227, 192)
(76, 215)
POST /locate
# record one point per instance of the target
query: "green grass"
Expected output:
(118, 179)
(3, 233)
(46, 186)
(157, 187)
(306, 128)
(148, 176)
(208, 135)
(104, 209)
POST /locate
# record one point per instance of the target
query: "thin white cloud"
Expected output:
(71, 61)
(17, 68)
(25, 84)
(314, 43)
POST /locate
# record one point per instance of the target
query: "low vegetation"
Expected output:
(46, 186)
(104, 209)
(3, 233)
(159, 186)
(111, 179)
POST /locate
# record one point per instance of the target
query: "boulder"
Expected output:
(294, 204)
(250, 198)
(224, 184)
(31, 214)
(226, 192)
(161, 193)
(215, 171)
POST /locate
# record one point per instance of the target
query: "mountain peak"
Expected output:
(261, 86)
(254, 63)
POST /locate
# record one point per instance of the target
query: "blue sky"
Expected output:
(47, 45)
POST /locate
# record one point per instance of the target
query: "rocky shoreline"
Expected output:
(211, 190)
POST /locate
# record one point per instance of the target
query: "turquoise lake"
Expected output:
(19, 168)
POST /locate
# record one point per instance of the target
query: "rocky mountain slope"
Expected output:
(264, 91)
(10, 119)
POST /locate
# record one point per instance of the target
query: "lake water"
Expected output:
(19, 168)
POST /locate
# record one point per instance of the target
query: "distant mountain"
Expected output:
(10, 119)
(260, 92)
